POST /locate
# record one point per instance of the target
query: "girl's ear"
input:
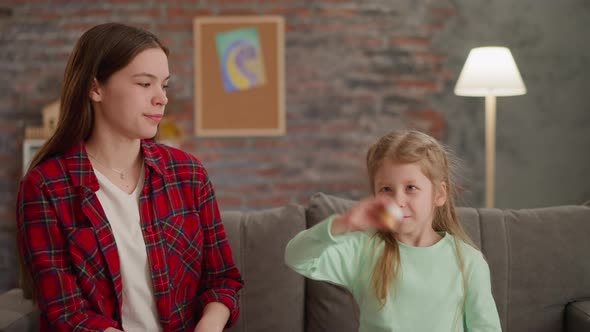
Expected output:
(440, 196)
(95, 93)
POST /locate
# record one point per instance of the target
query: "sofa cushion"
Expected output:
(272, 298)
(577, 316)
(548, 264)
(17, 314)
(328, 307)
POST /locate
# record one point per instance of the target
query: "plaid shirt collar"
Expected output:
(80, 169)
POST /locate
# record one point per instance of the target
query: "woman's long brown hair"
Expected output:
(410, 146)
(98, 54)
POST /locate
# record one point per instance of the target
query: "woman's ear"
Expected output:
(95, 93)
(440, 196)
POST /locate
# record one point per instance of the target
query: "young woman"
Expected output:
(417, 273)
(116, 231)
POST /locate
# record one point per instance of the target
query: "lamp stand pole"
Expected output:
(490, 148)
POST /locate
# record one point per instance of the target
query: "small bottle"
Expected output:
(393, 214)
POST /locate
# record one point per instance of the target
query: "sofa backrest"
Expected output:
(539, 262)
(273, 298)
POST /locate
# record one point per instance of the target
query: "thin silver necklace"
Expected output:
(120, 172)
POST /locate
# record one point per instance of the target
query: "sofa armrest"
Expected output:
(577, 316)
(17, 313)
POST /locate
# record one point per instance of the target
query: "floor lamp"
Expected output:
(489, 72)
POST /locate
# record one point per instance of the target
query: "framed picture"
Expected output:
(30, 148)
(239, 76)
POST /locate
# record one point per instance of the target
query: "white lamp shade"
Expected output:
(490, 71)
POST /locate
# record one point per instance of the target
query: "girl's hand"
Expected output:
(369, 214)
(112, 329)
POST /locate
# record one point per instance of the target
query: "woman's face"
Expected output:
(131, 103)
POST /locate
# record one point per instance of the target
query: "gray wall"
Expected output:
(543, 137)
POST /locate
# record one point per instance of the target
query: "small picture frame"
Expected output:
(239, 75)
(30, 148)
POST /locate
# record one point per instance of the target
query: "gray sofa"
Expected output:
(539, 261)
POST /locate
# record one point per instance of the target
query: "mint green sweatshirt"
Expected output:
(428, 290)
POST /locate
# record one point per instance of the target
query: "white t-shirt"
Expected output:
(122, 210)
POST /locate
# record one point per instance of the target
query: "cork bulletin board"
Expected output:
(239, 76)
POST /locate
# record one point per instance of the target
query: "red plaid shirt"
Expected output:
(68, 246)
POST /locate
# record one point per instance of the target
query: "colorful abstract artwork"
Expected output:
(242, 64)
(239, 71)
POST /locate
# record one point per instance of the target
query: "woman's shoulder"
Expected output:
(174, 160)
(171, 155)
(51, 169)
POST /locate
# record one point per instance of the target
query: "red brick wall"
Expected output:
(353, 72)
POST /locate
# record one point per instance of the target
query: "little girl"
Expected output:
(419, 273)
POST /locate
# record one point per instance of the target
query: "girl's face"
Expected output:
(407, 185)
(131, 103)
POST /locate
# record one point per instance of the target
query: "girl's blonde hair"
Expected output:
(410, 146)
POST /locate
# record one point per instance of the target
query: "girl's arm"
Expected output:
(43, 248)
(334, 249)
(318, 254)
(481, 314)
